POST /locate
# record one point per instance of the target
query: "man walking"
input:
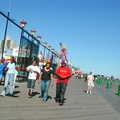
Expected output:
(63, 73)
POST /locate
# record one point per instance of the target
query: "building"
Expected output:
(9, 44)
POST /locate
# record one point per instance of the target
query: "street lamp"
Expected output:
(20, 62)
(52, 55)
(52, 49)
(31, 48)
(49, 47)
(33, 32)
(23, 23)
(39, 37)
(45, 44)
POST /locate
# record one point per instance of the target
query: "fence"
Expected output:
(18, 42)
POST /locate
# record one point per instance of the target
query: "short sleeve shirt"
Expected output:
(90, 78)
(32, 75)
(46, 74)
(11, 68)
(64, 71)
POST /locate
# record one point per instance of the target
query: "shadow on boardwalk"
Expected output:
(78, 106)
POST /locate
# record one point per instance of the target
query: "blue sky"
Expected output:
(90, 29)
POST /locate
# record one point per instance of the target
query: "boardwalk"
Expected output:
(79, 105)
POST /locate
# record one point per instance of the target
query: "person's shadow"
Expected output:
(35, 93)
(48, 97)
(14, 94)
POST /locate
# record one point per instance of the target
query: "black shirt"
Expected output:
(46, 74)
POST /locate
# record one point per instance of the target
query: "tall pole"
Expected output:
(31, 50)
(6, 29)
(5, 34)
(44, 56)
(23, 23)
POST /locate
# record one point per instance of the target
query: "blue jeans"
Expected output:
(9, 77)
(45, 84)
(1, 76)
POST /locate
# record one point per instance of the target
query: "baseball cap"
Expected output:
(63, 62)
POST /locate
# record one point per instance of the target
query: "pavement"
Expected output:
(100, 105)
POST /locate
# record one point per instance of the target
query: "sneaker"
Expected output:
(44, 101)
(61, 104)
(87, 92)
(2, 95)
(90, 92)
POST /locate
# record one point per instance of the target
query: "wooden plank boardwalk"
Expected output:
(78, 106)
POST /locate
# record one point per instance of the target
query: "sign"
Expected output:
(22, 53)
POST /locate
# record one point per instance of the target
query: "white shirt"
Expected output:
(90, 78)
(32, 75)
(11, 68)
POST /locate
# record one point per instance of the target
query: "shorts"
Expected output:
(4, 73)
(31, 84)
(91, 84)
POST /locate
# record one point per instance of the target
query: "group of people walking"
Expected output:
(43, 77)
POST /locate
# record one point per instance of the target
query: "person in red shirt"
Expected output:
(63, 73)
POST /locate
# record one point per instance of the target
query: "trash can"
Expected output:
(97, 80)
(109, 85)
(113, 81)
(100, 81)
(118, 89)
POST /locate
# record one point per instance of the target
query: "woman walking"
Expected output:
(9, 77)
(90, 80)
(46, 79)
(34, 71)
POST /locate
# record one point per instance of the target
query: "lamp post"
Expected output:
(52, 54)
(49, 47)
(5, 34)
(52, 49)
(23, 24)
(33, 32)
(45, 44)
(31, 48)
(39, 37)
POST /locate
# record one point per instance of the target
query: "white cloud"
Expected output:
(77, 53)
(87, 59)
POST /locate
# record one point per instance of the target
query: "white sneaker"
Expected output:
(87, 92)
(2, 95)
(90, 92)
